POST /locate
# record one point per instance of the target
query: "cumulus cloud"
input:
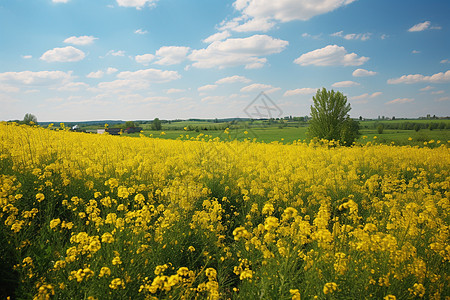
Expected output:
(353, 36)
(138, 4)
(400, 101)
(41, 78)
(427, 88)
(171, 55)
(72, 87)
(80, 40)
(267, 88)
(144, 59)
(100, 73)
(302, 91)
(347, 83)
(331, 55)
(366, 96)
(219, 36)
(140, 31)
(262, 15)
(363, 73)
(423, 26)
(150, 75)
(237, 51)
(208, 87)
(446, 98)
(233, 79)
(116, 53)
(418, 78)
(66, 54)
(97, 74)
(173, 91)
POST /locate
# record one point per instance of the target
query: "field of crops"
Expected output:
(87, 216)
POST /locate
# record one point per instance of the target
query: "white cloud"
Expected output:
(173, 91)
(6, 88)
(141, 31)
(60, 1)
(353, 36)
(262, 15)
(171, 55)
(415, 52)
(233, 79)
(445, 61)
(427, 88)
(331, 55)
(80, 40)
(208, 87)
(144, 59)
(416, 78)
(97, 74)
(363, 73)
(302, 91)
(116, 53)
(423, 26)
(346, 83)
(213, 99)
(217, 37)
(420, 27)
(100, 73)
(41, 78)
(150, 75)
(111, 70)
(66, 54)
(315, 37)
(138, 4)
(124, 85)
(27, 56)
(256, 24)
(237, 51)
(443, 99)
(400, 101)
(438, 92)
(258, 87)
(366, 96)
(72, 87)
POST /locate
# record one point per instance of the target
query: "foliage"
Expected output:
(29, 119)
(86, 216)
(380, 129)
(156, 124)
(130, 124)
(329, 117)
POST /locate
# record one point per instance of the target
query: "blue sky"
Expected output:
(74, 60)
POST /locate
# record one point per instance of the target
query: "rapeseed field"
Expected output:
(87, 216)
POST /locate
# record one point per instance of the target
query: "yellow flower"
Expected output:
(329, 287)
(107, 238)
(295, 294)
(40, 197)
(116, 284)
(191, 248)
(104, 271)
(54, 223)
(390, 297)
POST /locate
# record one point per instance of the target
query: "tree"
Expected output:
(330, 119)
(29, 118)
(129, 124)
(156, 124)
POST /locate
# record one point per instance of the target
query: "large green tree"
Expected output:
(29, 119)
(156, 124)
(330, 119)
